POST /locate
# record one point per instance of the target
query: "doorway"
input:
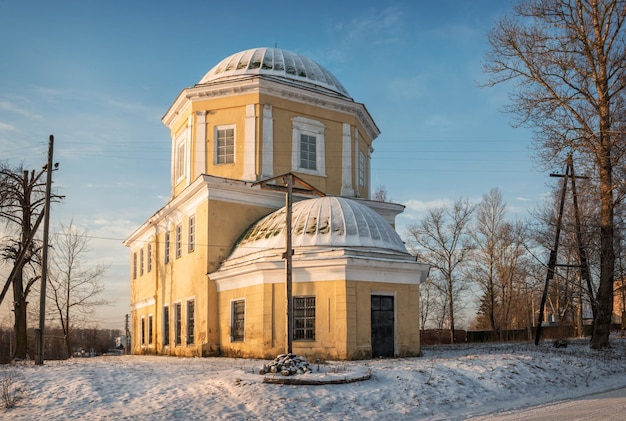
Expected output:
(383, 322)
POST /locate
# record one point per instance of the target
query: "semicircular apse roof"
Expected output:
(275, 62)
(334, 222)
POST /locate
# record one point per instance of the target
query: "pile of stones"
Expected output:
(287, 365)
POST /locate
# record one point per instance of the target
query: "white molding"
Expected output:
(249, 144)
(267, 162)
(274, 87)
(143, 303)
(346, 161)
(340, 268)
(315, 128)
(200, 154)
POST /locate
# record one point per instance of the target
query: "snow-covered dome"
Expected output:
(325, 222)
(278, 63)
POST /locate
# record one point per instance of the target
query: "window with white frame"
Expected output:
(362, 170)
(238, 313)
(179, 162)
(179, 240)
(166, 247)
(304, 318)
(149, 257)
(150, 329)
(178, 320)
(166, 326)
(191, 240)
(308, 146)
(135, 265)
(191, 311)
(142, 328)
(141, 261)
(225, 144)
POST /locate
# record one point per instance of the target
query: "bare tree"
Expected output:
(568, 59)
(441, 240)
(75, 287)
(380, 195)
(497, 263)
(23, 199)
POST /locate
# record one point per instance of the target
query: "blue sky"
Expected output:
(100, 75)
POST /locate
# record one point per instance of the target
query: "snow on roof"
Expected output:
(322, 222)
(275, 62)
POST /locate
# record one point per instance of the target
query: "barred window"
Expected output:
(166, 326)
(178, 315)
(304, 318)
(238, 320)
(191, 310)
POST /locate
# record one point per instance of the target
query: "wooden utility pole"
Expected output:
(44, 257)
(584, 267)
(288, 180)
(288, 265)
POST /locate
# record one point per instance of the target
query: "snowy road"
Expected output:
(599, 407)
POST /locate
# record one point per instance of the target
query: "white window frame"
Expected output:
(178, 234)
(150, 329)
(166, 247)
(166, 326)
(190, 322)
(142, 330)
(180, 159)
(191, 234)
(307, 126)
(217, 129)
(178, 323)
(149, 258)
(141, 261)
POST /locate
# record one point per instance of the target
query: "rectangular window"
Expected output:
(166, 258)
(166, 326)
(135, 265)
(225, 145)
(361, 169)
(191, 241)
(179, 240)
(180, 160)
(178, 314)
(149, 256)
(238, 320)
(141, 262)
(190, 321)
(142, 327)
(150, 329)
(308, 152)
(304, 318)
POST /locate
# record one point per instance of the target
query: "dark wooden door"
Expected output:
(382, 326)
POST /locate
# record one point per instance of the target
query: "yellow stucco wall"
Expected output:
(342, 325)
(231, 110)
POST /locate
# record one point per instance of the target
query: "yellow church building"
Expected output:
(208, 270)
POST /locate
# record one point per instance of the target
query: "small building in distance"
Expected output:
(208, 269)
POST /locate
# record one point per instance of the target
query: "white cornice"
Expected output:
(207, 187)
(274, 87)
(337, 268)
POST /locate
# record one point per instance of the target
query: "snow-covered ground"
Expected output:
(447, 382)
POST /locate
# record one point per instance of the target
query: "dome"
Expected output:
(275, 62)
(326, 222)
